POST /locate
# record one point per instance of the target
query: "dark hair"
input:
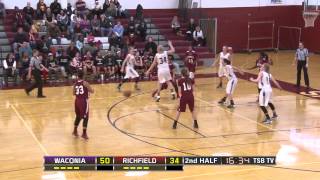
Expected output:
(80, 74)
(185, 74)
(227, 61)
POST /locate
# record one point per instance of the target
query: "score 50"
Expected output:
(105, 160)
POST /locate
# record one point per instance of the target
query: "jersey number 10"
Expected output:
(79, 90)
(186, 87)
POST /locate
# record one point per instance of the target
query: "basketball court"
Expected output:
(32, 128)
(137, 126)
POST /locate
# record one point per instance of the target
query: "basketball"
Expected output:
(127, 93)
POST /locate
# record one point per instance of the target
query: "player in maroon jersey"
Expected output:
(190, 61)
(263, 59)
(187, 86)
(81, 90)
(173, 81)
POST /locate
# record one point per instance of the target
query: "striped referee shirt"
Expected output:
(302, 54)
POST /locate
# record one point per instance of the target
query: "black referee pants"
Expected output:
(302, 65)
(38, 82)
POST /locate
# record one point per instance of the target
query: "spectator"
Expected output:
(151, 45)
(41, 9)
(85, 25)
(89, 64)
(80, 43)
(24, 66)
(131, 26)
(71, 28)
(2, 10)
(106, 26)
(190, 29)
(118, 30)
(131, 40)
(105, 6)
(175, 25)
(48, 16)
(19, 19)
(115, 41)
(82, 8)
(53, 65)
(99, 62)
(43, 45)
(63, 21)
(25, 48)
(198, 37)
(112, 10)
(117, 6)
(139, 12)
(77, 30)
(19, 39)
(10, 67)
(97, 10)
(69, 11)
(55, 7)
(28, 12)
(64, 61)
(76, 65)
(95, 24)
(72, 50)
(142, 30)
(110, 61)
(54, 33)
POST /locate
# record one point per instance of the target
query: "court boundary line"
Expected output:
(44, 150)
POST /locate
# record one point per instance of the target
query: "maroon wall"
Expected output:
(311, 35)
(233, 22)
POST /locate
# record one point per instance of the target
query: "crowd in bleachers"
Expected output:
(94, 40)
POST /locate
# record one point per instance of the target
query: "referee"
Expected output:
(35, 69)
(302, 62)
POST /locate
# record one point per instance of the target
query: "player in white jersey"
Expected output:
(222, 55)
(164, 76)
(232, 82)
(265, 95)
(131, 73)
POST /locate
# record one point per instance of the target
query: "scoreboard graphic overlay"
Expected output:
(156, 163)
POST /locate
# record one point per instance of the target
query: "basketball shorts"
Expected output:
(164, 76)
(131, 73)
(184, 101)
(265, 97)
(82, 108)
(231, 85)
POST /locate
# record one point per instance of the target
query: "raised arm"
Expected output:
(172, 49)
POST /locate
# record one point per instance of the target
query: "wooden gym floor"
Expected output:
(32, 128)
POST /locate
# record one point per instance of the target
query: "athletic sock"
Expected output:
(271, 106)
(174, 126)
(265, 111)
(195, 124)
